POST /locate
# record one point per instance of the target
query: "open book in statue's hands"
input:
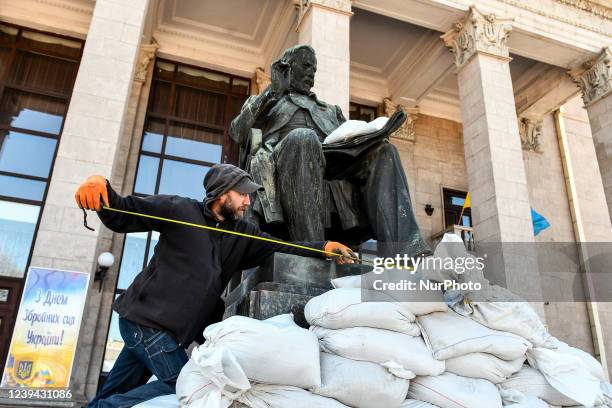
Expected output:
(354, 128)
(340, 154)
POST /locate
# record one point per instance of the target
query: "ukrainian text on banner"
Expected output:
(46, 330)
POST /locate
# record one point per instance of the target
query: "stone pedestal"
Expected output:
(284, 285)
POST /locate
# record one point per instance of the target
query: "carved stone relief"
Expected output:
(147, 54)
(478, 33)
(530, 131)
(595, 77)
(262, 80)
(589, 6)
(407, 131)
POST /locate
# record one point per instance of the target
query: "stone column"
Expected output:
(493, 155)
(324, 25)
(89, 145)
(595, 81)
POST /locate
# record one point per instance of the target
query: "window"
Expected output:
(37, 73)
(453, 204)
(361, 112)
(186, 132)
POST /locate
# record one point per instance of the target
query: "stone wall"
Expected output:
(435, 160)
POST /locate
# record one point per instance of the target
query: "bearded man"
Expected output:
(177, 295)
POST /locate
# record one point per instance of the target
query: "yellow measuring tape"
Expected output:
(240, 234)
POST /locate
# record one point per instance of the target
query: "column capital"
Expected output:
(145, 56)
(530, 130)
(478, 32)
(594, 77)
(407, 131)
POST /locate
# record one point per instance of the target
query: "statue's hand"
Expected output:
(280, 77)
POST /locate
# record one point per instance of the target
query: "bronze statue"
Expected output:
(364, 197)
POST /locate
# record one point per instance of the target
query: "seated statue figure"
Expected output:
(366, 199)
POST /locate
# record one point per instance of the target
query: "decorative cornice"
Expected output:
(595, 77)
(163, 29)
(530, 131)
(478, 32)
(407, 131)
(68, 6)
(147, 54)
(596, 9)
(521, 5)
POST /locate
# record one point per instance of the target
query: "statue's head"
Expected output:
(302, 63)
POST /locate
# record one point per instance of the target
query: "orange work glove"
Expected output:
(88, 194)
(347, 257)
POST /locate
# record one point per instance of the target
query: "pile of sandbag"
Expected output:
(367, 349)
(483, 339)
(377, 345)
(259, 364)
(372, 331)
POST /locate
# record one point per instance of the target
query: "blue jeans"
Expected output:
(146, 351)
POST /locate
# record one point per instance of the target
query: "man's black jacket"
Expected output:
(179, 290)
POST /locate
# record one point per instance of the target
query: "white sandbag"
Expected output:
(493, 306)
(451, 335)
(382, 347)
(275, 352)
(588, 361)
(499, 309)
(530, 381)
(342, 308)
(606, 390)
(281, 396)
(211, 379)
(452, 391)
(439, 269)
(516, 399)
(485, 366)
(411, 403)
(400, 285)
(350, 281)
(163, 401)
(360, 384)
(567, 374)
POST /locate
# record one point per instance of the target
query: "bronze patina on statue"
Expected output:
(313, 192)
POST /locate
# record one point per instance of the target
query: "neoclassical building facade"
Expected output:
(510, 100)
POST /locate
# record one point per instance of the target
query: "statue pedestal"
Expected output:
(284, 285)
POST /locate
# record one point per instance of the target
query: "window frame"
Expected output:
(447, 192)
(14, 47)
(361, 106)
